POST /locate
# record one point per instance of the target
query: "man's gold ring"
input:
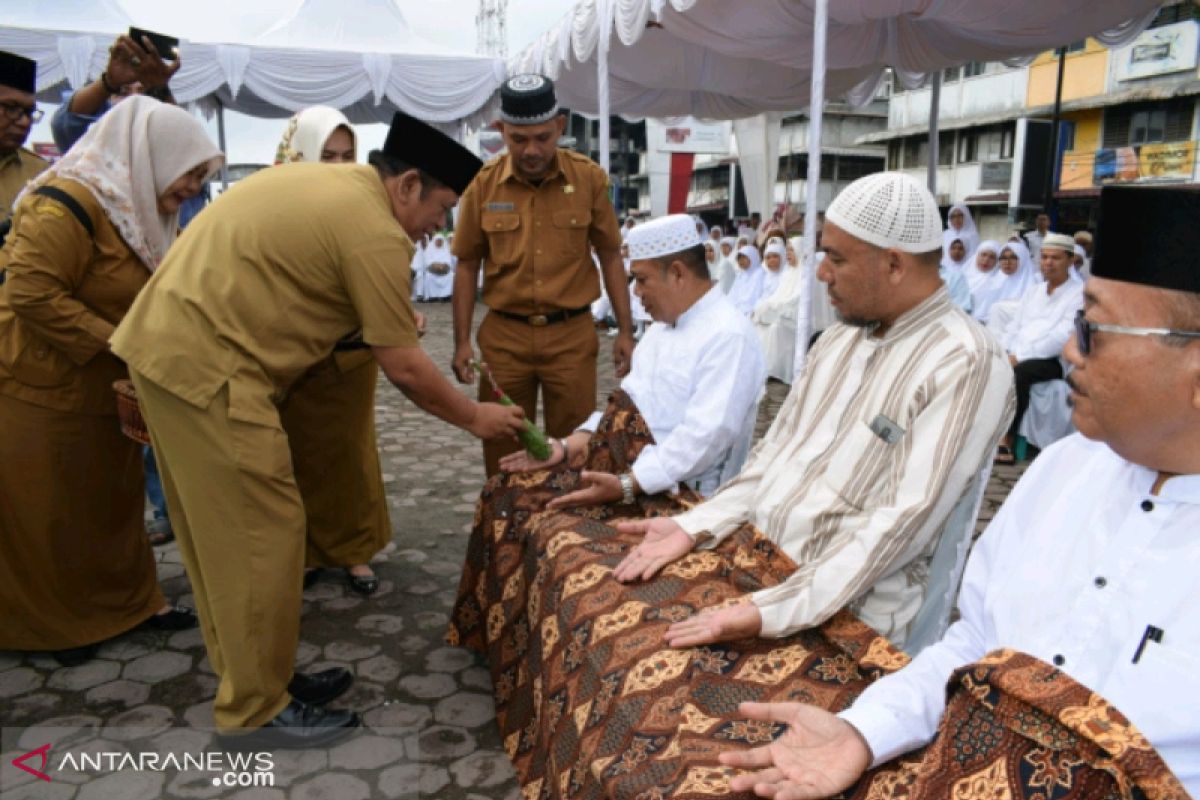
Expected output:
(137, 62)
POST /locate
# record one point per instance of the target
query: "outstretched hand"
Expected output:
(818, 755)
(597, 489)
(664, 542)
(742, 621)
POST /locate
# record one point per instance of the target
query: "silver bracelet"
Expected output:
(626, 480)
(566, 453)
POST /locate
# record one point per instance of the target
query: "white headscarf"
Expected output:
(438, 252)
(948, 263)
(771, 278)
(747, 285)
(1015, 285)
(968, 233)
(128, 159)
(986, 287)
(307, 132)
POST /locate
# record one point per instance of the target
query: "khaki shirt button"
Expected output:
(572, 220)
(537, 283)
(539, 252)
(43, 351)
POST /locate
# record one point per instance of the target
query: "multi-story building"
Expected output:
(1128, 115)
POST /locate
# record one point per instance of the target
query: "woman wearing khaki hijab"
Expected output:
(329, 414)
(75, 567)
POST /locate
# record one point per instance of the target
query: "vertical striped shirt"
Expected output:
(873, 447)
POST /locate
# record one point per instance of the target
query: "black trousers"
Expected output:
(1027, 373)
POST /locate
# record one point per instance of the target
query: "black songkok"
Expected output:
(420, 145)
(1149, 235)
(18, 72)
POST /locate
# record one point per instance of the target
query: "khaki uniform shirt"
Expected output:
(534, 240)
(17, 169)
(261, 286)
(65, 292)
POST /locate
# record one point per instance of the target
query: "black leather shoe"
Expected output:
(321, 687)
(75, 656)
(299, 726)
(177, 619)
(366, 585)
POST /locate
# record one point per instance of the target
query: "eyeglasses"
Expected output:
(15, 111)
(1084, 330)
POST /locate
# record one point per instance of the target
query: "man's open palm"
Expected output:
(819, 755)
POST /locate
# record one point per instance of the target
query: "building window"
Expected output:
(974, 69)
(916, 152)
(1148, 123)
(1076, 47)
(895, 154)
(1176, 12)
(968, 142)
(851, 168)
(950, 75)
(1008, 139)
(945, 149)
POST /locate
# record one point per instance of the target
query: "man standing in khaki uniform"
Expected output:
(18, 112)
(261, 288)
(532, 217)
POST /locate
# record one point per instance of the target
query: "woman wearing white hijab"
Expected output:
(775, 316)
(712, 259)
(747, 286)
(439, 270)
(75, 567)
(329, 415)
(984, 279)
(774, 262)
(1016, 265)
(960, 225)
(727, 264)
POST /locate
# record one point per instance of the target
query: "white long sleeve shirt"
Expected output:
(696, 383)
(877, 441)
(1078, 562)
(1043, 322)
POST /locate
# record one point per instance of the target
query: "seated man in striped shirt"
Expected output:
(897, 410)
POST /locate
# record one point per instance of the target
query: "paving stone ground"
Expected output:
(429, 721)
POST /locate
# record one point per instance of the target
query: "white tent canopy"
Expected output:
(721, 60)
(357, 55)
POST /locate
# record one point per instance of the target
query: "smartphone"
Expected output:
(165, 45)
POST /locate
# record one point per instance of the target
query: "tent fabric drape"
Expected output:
(380, 67)
(720, 60)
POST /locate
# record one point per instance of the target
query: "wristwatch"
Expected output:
(626, 480)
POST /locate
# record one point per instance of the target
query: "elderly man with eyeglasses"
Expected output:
(18, 112)
(1075, 666)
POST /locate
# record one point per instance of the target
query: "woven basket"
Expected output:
(130, 413)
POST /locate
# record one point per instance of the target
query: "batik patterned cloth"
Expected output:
(589, 700)
(591, 703)
(1017, 727)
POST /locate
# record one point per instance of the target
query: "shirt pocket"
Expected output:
(503, 231)
(39, 364)
(858, 465)
(571, 234)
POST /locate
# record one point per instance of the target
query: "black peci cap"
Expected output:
(422, 146)
(18, 72)
(1149, 235)
(528, 100)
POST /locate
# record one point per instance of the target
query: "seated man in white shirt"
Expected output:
(895, 413)
(1082, 588)
(696, 378)
(1035, 336)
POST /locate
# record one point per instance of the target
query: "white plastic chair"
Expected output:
(946, 568)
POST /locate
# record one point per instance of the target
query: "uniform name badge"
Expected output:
(886, 429)
(501, 207)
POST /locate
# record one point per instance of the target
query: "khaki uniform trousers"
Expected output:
(560, 359)
(329, 418)
(239, 521)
